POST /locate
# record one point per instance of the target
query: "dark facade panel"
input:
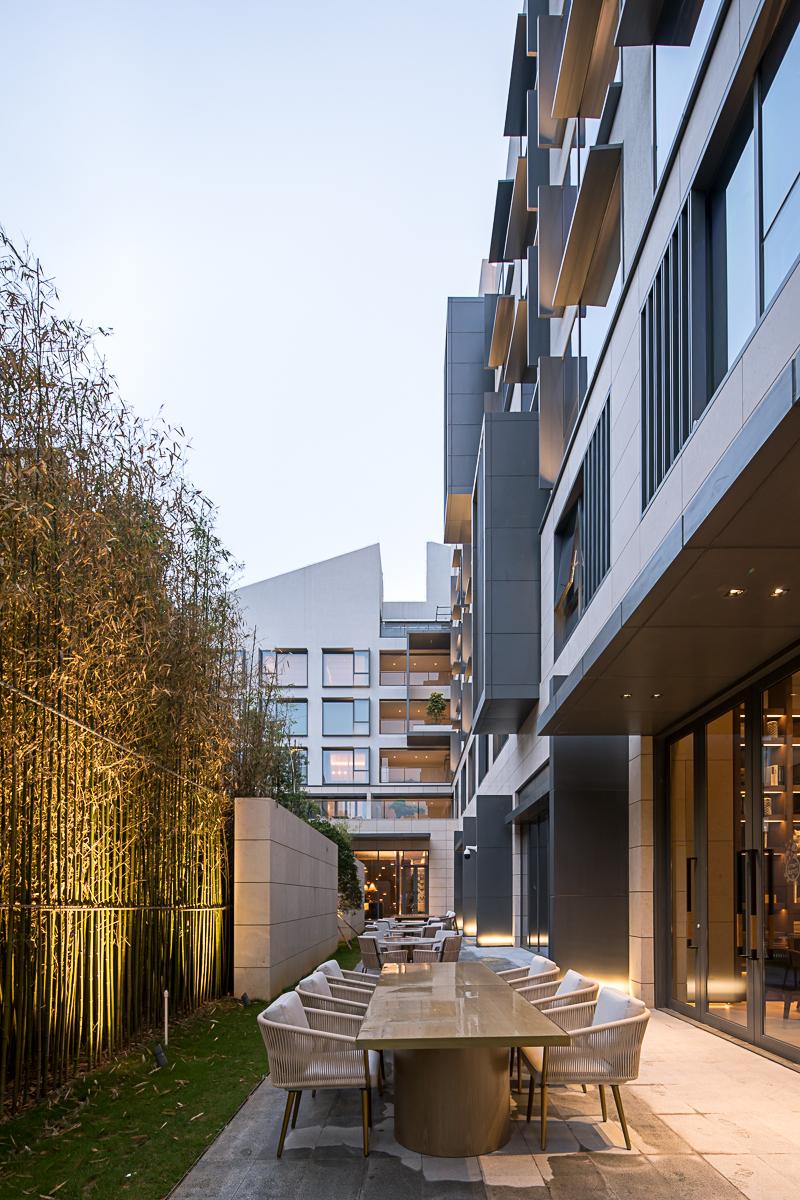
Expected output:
(592, 245)
(494, 915)
(523, 77)
(469, 877)
(657, 22)
(507, 510)
(556, 206)
(466, 381)
(502, 208)
(550, 129)
(589, 855)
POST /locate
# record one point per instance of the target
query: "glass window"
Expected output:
(674, 72)
(345, 717)
(780, 160)
(345, 668)
(300, 766)
(733, 217)
(286, 668)
(683, 865)
(345, 766)
(296, 716)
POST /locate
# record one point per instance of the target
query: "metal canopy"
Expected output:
(677, 640)
(588, 59)
(591, 252)
(657, 22)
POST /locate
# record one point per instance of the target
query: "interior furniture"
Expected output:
(311, 1048)
(450, 1026)
(604, 1048)
(318, 990)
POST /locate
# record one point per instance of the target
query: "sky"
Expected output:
(269, 203)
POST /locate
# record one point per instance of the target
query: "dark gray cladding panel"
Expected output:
(466, 381)
(508, 506)
(469, 875)
(458, 875)
(494, 867)
(589, 854)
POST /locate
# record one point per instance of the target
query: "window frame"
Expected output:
(355, 777)
(353, 702)
(299, 702)
(281, 652)
(358, 679)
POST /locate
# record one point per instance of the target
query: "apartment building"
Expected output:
(357, 673)
(622, 449)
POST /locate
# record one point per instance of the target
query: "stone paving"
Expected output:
(708, 1118)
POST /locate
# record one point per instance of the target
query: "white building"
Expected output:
(359, 672)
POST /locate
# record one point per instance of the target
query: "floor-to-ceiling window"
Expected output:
(396, 881)
(733, 797)
(537, 889)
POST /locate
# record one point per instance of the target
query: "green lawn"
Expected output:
(132, 1128)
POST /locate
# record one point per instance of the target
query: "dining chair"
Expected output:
(605, 1047)
(356, 979)
(428, 956)
(571, 990)
(370, 958)
(394, 956)
(451, 947)
(309, 1049)
(318, 990)
(540, 970)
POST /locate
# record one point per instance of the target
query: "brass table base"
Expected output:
(452, 1103)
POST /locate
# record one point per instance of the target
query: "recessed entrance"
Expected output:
(396, 881)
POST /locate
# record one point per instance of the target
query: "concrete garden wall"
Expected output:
(285, 895)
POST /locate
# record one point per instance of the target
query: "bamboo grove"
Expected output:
(119, 703)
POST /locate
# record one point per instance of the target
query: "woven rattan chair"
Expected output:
(540, 970)
(431, 929)
(318, 990)
(605, 1048)
(356, 979)
(393, 956)
(451, 947)
(428, 956)
(310, 1049)
(571, 990)
(370, 958)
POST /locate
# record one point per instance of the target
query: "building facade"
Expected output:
(357, 674)
(622, 437)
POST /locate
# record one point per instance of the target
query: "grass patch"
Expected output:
(131, 1128)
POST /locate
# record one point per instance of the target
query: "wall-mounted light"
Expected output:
(777, 592)
(656, 695)
(626, 696)
(732, 592)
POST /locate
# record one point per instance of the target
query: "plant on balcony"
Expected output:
(436, 707)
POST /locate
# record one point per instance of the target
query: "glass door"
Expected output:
(780, 862)
(538, 885)
(414, 876)
(683, 872)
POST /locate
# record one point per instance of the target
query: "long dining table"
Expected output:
(450, 1027)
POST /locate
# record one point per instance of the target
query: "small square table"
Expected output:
(450, 1026)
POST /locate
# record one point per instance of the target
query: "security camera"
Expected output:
(468, 851)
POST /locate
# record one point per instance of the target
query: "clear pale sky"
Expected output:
(269, 202)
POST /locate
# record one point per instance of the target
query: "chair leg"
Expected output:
(531, 1088)
(287, 1112)
(519, 1071)
(296, 1108)
(621, 1113)
(511, 1062)
(603, 1106)
(313, 1093)
(543, 1099)
(369, 1105)
(365, 1119)
(585, 1089)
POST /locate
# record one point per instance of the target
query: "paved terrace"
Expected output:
(707, 1118)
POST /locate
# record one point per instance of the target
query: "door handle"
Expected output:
(691, 864)
(752, 904)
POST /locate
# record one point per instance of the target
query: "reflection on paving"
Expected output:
(707, 1118)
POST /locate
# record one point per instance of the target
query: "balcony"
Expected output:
(437, 808)
(427, 670)
(415, 766)
(411, 719)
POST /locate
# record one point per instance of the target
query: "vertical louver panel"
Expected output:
(666, 398)
(597, 505)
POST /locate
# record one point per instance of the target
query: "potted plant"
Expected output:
(436, 707)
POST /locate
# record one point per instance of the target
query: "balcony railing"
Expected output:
(435, 808)
(432, 774)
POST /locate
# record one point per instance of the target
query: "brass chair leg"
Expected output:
(365, 1119)
(621, 1113)
(296, 1109)
(585, 1089)
(313, 1093)
(531, 1087)
(543, 1099)
(603, 1106)
(287, 1112)
(519, 1070)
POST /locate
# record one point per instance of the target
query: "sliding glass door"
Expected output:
(733, 797)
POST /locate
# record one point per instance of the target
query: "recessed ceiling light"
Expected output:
(778, 591)
(656, 696)
(731, 593)
(626, 695)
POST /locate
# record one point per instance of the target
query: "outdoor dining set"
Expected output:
(461, 1036)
